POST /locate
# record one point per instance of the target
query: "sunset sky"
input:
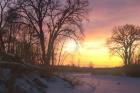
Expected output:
(103, 16)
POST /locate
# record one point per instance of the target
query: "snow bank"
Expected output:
(34, 83)
(2, 88)
(23, 83)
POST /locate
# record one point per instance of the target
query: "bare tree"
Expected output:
(34, 12)
(12, 29)
(18, 38)
(52, 21)
(3, 10)
(64, 21)
(124, 41)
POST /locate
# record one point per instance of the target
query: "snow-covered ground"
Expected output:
(96, 84)
(84, 83)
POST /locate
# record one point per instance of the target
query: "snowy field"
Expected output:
(96, 84)
(84, 83)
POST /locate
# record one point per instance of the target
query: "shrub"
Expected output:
(108, 71)
(10, 58)
(133, 70)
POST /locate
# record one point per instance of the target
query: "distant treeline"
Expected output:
(75, 69)
(131, 70)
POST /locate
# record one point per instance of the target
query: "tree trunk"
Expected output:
(48, 55)
(126, 57)
(42, 43)
(2, 46)
(130, 55)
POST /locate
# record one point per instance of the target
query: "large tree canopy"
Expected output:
(53, 20)
(34, 29)
(124, 41)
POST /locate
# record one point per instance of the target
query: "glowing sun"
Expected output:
(70, 46)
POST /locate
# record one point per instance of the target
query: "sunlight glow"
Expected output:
(95, 52)
(70, 46)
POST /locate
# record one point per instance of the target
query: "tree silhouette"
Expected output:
(64, 21)
(34, 12)
(3, 10)
(124, 41)
(34, 30)
(52, 21)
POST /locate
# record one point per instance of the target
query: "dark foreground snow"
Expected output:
(35, 83)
